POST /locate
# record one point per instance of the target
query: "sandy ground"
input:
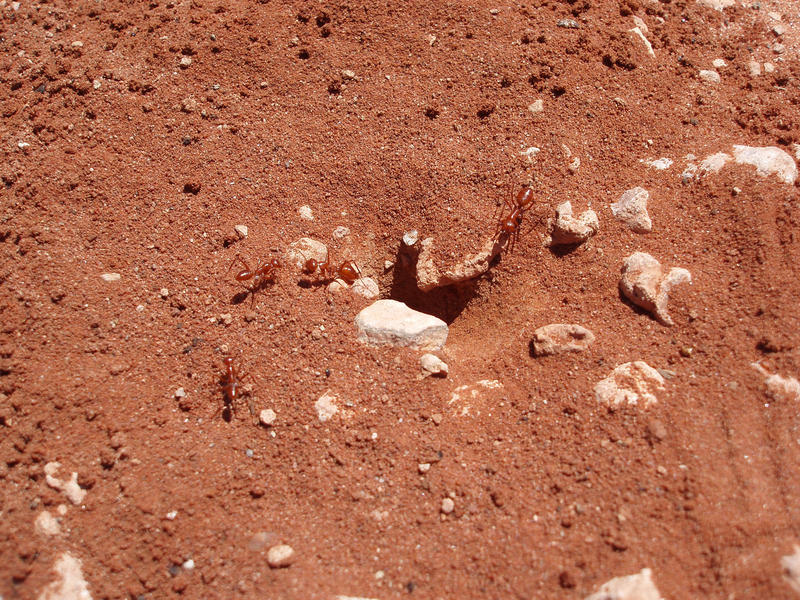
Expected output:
(137, 136)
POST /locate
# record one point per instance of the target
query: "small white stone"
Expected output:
(769, 67)
(754, 67)
(567, 230)
(661, 164)
(558, 338)
(645, 284)
(111, 277)
(448, 505)
(392, 322)
(779, 29)
(638, 33)
(348, 74)
(164, 293)
(630, 383)
(366, 287)
(267, 417)
(180, 393)
(709, 76)
(631, 209)
(341, 232)
(77, 44)
(70, 583)
(185, 62)
(719, 63)
(305, 248)
(280, 556)
(410, 238)
(170, 516)
(424, 467)
(326, 406)
(639, 586)
(69, 487)
(537, 106)
(790, 565)
(241, 231)
(717, 4)
(96, 84)
(530, 153)
(769, 160)
(188, 564)
(306, 213)
(46, 524)
(433, 365)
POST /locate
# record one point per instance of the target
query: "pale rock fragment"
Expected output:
(280, 556)
(433, 365)
(719, 63)
(69, 487)
(779, 388)
(306, 213)
(558, 338)
(340, 232)
(430, 276)
(645, 284)
(714, 162)
(631, 209)
(70, 584)
(638, 33)
(46, 524)
(709, 76)
(267, 417)
(305, 248)
(639, 586)
(566, 230)
(111, 277)
(639, 22)
(790, 565)
(326, 406)
(241, 231)
(754, 67)
(366, 287)
(769, 160)
(717, 4)
(662, 164)
(448, 506)
(630, 383)
(536, 106)
(392, 322)
(410, 238)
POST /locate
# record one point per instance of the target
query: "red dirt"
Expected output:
(147, 171)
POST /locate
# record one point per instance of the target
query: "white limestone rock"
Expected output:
(646, 285)
(69, 487)
(326, 406)
(633, 383)
(769, 160)
(46, 524)
(558, 338)
(790, 565)
(631, 209)
(303, 249)
(709, 76)
(717, 4)
(433, 365)
(70, 584)
(430, 276)
(567, 230)
(779, 388)
(392, 322)
(639, 586)
(280, 556)
(366, 287)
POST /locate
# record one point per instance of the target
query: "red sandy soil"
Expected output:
(132, 163)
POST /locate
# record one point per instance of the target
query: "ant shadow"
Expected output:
(239, 297)
(563, 250)
(446, 302)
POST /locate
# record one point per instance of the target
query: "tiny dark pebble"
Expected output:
(191, 187)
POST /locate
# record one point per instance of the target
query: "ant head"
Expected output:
(348, 272)
(275, 263)
(310, 265)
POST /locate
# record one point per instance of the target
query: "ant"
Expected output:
(231, 381)
(257, 278)
(510, 224)
(347, 271)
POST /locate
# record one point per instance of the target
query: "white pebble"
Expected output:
(170, 516)
(536, 106)
(241, 231)
(164, 292)
(280, 556)
(111, 276)
(188, 565)
(424, 467)
(341, 232)
(305, 213)
(185, 62)
(433, 365)
(709, 76)
(180, 393)
(448, 505)
(267, 417)
(326, 406)
(392, 322)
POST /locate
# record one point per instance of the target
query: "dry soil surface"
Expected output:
(137, 135)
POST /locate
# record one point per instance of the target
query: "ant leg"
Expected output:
(241, 260)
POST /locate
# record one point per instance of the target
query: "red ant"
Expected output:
(347, 271)
(231, 381)
(257, 278)
(510, 224)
